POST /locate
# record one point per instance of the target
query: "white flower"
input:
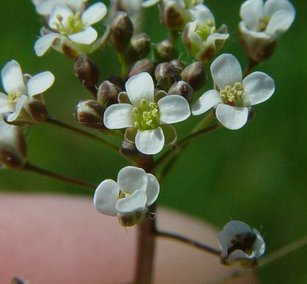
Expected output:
(145, 117)
(240, 244)
(234, 96)
(183, 3)
(269, 19)
(13, 150)
(70, 28)
(45, 7)
(262, 24)
(131, 194)
(23, 101)
(200, 36)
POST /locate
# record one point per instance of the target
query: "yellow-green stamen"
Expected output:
(146, 115)
(232, 94)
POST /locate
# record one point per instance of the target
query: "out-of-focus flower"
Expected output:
(45, 7)
(23, 101)
(201, 36)
(68, 29)
(13, 148)
(129, 197)
(240, 244)
(233, 97)
(262, 23)
(145, 119)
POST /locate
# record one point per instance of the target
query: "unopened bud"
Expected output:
(195, 75)
(128, 149)
(38, 109)
(89, 113)
(134, 218)
(139, 47)
(107, 93)
(121, 30)
(181, 88)
(13, 147)
(173, 15)
(87, 72)
(166, 74)
(144, 65)
(165, 51)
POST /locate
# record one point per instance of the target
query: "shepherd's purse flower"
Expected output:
(233, 97)
(240, 244)
(129, 196)
(144, 117)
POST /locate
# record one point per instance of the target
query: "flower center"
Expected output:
(72, 25)
(205, 29)
(244, 242)
(123, 194)
(146, 115)
(13, 97)
(263, 23)
(232, 94)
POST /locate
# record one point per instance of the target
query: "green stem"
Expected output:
(188, 241)
(44, 172)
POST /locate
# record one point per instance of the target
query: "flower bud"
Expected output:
(121, 30)
(183, 89)
(89, 113)
(128, 149)
(173, 15)
(107, 93)
(195, 75)
(166, 74)
(139, 47)
(87, 72)
(144, 65)
(13, 147)
(165, 51)
(38, 109)
(134, 218)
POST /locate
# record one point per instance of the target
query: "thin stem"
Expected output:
(188, 241)
(81, 132)
(47, 173)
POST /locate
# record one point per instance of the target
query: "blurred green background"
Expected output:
(256, 174)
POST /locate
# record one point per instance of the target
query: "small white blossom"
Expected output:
(233, 96)
(201, 36)
(45, 7)
(146, 117)
(13, 151)
(262, 23)
(23, 94)
(73, 29)
(240, 244)
(132, 193)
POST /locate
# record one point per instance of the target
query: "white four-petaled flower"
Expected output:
(145, 116)
(21, 91)
(240, 243)
(70, 28)
(133, 192)
(233, 96)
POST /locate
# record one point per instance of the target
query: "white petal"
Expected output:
(206, 101)
(131, 178)
(153, 189)
(251, 11)
(60, 11)
(44, 43)
(94, 13)
(240, 255)
(231, 117)
(173, 108)
(106, 196)
(279, 23)
(40, 83)
(136, 201)
(259, 245)
(22, 103)
(87, 36)
(140, 86)
(211, 40)
(12, 78)
(273, 6)
(150, 142)
(201, 13)
(258, 87)
(226, 70)
(5, 106)
(118, 116)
